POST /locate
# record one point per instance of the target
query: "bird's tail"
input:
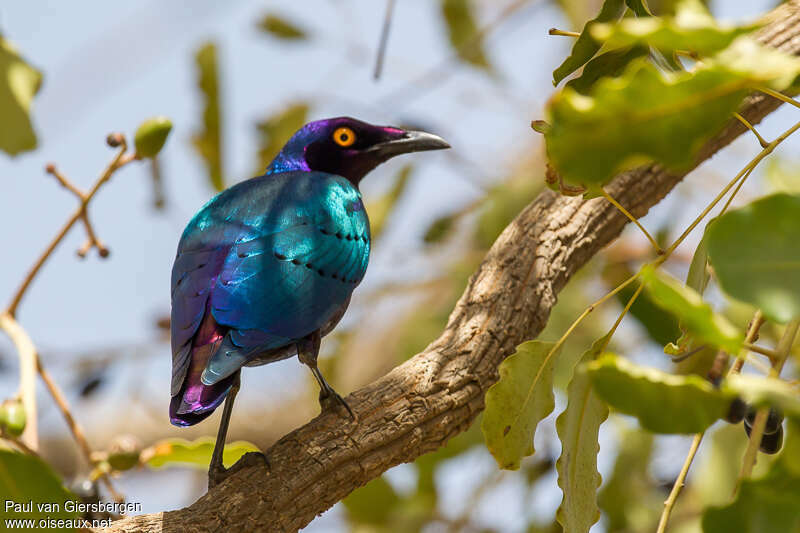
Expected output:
(196, 401)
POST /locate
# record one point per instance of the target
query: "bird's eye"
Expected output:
(344, 136)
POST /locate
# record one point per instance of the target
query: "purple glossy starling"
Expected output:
(266, 268)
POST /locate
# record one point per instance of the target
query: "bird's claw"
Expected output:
(251, 459)
(328, 399)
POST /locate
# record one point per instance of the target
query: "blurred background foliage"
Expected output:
(458, 487)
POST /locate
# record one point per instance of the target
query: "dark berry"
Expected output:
(772, 443)
(736, 411)
(774, 419)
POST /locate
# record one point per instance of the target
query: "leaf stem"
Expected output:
(562, 33)
(633, 219)
(624, 312)
(757, 430)
(752, 333)
(752, 128)
(780, 96)
(742, 173)
(772, 354)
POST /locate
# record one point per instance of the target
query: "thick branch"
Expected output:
(437, 394)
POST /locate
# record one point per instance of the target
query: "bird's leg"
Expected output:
(307, 352)
(216, 470)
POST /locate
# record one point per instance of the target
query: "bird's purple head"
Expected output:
(348, 147)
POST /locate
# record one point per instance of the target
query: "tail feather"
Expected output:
(195, 401)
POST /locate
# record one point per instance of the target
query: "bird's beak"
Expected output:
(411, 141)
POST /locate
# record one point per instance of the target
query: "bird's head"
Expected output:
(349, 147)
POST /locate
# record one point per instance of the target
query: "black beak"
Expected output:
(412, 141)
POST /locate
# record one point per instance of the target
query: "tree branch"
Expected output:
(432, 397)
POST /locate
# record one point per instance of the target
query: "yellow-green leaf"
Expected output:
(208, 141)
(691, 28)
(518, 402)
(380, 209)
(151, 136)
(25, 478)
(608, 64)
(578, 429)
(462, 31)
(695, 315)
(646, 114)
(663, 403)
(766, 504)
(276, 129)
(19, 83)
(585, 46)
(766, 392)
(755, 255)
(281, 28)
(196, 453)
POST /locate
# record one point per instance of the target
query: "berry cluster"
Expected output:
(772, 440)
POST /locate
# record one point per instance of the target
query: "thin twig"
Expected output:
(27, 376)
(757, 429)
(624, 312)
(387, 24)
(743, 173)
(562, 33)
(772, 354)
(633, 219)
(752, 334)
(763, 142)
(120, 160)
(780, 96)
(18, 443)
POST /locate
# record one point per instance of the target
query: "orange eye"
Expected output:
(344, 136)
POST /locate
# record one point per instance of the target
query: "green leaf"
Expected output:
(755, 255)
(25, 478)
(766, 392)
(278, 128)
(462, 30)
(646, 114)
(19, 83)
(697, 278)
(663, 403)
(518, 402)
(661, 326)
(281, 28)
(196, 453)
(638, 7)
(627, 499)
(373, 503)
(783, 175)
(380, 209)
(208, 142)
(608, 64)
(585, 46)
(578, 429)
(440, 229)
(766, 504)
(695, 315)
(692, 28)
(151, 136)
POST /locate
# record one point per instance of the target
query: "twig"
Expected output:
(18, 443)
(772, 354)
(27, 376)
(30, 363)
(624, 312)
(562, 33)
(633, 219)
(742, 174)
(752, 334)
(757, 430)
(387, 23)
(120, 160)
(750, 127)
(780, 96)
(74, 427)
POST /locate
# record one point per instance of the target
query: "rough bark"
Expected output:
(419, 405)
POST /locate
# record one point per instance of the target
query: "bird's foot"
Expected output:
(218, 474)
(329, 399)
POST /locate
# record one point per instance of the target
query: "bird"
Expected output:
(267, 267)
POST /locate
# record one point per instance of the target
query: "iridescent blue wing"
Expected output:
(293, 246)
